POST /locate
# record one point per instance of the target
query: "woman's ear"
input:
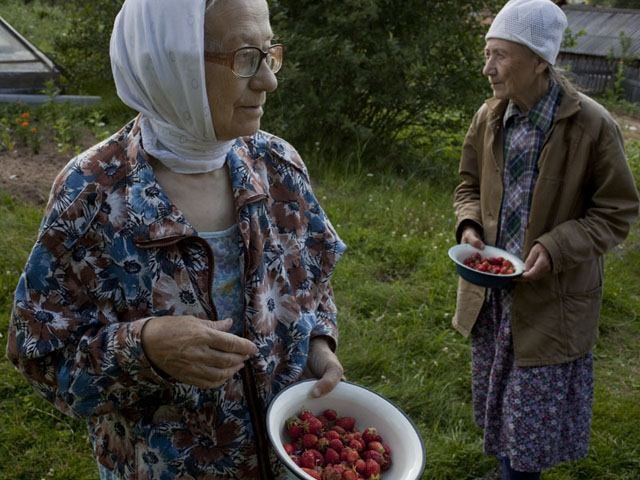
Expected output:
(541, 65)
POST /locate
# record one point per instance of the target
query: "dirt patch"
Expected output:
(28, 177)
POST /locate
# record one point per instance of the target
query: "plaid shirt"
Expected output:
(525, 134)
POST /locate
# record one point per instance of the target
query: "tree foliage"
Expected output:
(359, 74)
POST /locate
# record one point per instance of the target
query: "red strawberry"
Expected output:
(312, 473)
(349, 455)
(323, 420)
(323, 444)
(331, 456)
(330, 473)
(373, 455)
(349, 475)
(289, 448)
(348, 423)
(377, 446)
(370, 434)
(372, 469)
(360, 466)
(331, 435)
(318, 456)
(339, 429)
(330, 414)
(336, 444)
(305, 415)
(309, 440)
(313, 425)
(357, 445)
(307, 459)
(294, 427)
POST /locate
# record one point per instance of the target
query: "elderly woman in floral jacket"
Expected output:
(181, 275)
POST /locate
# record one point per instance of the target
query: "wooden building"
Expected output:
(607, 41)
(23, 68)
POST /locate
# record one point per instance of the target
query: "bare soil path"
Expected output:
(28, 177)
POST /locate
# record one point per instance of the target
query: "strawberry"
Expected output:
(370, 434)
(339, 429)
(349, 475)
(349, 455)
(360, 466)
(312, 473)
(289, 448)
(372, 469)
(294, 427)
(357, 445)
(377, 446)
(336, 444)
(309, 440)
(331, 456)
(348, 423)
(330, 473)
(331, 435)
(308, 459)
(330, 414)
(322, 444)
(313, 425)
(305, 415)
(373, 455)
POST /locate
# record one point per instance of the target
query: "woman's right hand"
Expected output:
(471, 236)
(195, 351)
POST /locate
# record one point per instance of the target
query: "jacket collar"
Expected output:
(153, 218)
(569, 105)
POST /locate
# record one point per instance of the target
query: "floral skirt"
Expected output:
(535, 416)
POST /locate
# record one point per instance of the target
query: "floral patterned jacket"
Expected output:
(112, 251)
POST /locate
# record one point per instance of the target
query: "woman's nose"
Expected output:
(264, 79)
(488, 69)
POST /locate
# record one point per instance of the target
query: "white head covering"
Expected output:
(537, 24)
(157, 58)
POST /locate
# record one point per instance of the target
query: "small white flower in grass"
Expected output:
(369, 174)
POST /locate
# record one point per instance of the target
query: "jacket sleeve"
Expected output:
(467, 193)
(612, 205)
(64, 333)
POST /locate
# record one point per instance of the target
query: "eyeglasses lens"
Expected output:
(246, 61)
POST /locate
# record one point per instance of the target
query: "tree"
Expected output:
(358, 73)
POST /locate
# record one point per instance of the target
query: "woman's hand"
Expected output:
(471, 236)
(537, 264)
(195, 351)
(323, 364)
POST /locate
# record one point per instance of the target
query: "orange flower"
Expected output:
(34, 130)
(24, 124)
(25, 115)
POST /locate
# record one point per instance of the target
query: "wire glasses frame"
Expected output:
(245, 61)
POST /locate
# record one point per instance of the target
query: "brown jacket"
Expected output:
(584, 202)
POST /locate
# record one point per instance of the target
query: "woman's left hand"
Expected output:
(537, 264)
(323, 364)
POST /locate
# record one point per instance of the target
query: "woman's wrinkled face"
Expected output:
(512, 69)
(237, 103)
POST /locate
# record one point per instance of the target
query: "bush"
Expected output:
(358, 73)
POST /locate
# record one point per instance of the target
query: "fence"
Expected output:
(596, 75)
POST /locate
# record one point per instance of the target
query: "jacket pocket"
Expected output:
(580, 314)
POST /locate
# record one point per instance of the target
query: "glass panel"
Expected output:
(12, 50)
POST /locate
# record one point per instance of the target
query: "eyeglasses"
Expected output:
(245, 62)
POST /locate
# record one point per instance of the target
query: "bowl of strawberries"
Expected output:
(490, 267)
(351, 433)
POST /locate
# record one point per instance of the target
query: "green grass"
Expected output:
(395, 289)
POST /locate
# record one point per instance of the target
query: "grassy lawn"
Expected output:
(395, 289)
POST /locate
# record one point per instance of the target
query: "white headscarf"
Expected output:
(157, 58)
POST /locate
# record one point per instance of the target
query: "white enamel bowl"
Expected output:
(367, 407)
(460, 253)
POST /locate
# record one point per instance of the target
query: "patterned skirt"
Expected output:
(535, 416)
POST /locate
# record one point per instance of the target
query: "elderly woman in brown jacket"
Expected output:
(544, 176)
